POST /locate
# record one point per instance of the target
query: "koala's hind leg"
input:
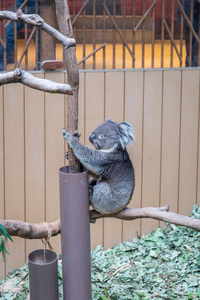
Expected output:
(103, 200)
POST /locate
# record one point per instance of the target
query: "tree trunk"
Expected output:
(69, 57)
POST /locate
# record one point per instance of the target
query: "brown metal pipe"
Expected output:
(43, 275)
(75, 235)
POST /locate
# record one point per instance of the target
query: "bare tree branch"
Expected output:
(18, 75)
(160, 214)
(37, 21)
(41, 230)
(31, 230)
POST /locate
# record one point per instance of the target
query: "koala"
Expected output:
(109, 165)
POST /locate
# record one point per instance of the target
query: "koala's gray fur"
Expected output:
(109, 163)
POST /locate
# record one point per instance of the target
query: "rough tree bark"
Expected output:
(69, 57)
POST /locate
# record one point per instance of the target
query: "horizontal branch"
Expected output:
(44, 230)
(36, 20)
(160, 214)
(45, 85)
(31, 230)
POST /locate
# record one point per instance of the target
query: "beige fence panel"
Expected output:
(2, 201)
(54, 153)
(170, 138)
(189, 140)
(14, 167)
(94, 116)
(161, 105)
(134, 115)
(114, 109)
(151, 144)
(34, 159)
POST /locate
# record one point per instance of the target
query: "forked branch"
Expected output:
(36, 20)
(45, 85)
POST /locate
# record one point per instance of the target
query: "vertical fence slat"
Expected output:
(14, 167)
(1, 154)
(151, 144)
(170, 139)
(198, 166)
(2, 202)
(114, 108)
(189, 140)
(94, 95)
(54, 152)
(34, 159)
(134, 115)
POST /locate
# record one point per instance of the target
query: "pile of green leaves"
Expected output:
(162, 265)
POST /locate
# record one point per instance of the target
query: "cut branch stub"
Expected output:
(19, 75)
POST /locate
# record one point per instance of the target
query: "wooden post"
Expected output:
(69, 57)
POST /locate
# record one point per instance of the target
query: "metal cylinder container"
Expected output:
(75, 235)
(43, 275)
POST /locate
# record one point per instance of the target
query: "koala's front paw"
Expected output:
(69, 137)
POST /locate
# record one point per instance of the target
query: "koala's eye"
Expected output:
(101, 136)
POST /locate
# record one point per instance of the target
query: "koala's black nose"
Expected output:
(91, 137)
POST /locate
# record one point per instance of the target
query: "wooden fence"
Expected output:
(161, 105)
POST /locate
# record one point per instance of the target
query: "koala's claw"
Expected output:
(64, 132)
(90, 191)
(67, 155)
(76, 134)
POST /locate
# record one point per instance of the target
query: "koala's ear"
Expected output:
(126, 134)
(110, 121)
